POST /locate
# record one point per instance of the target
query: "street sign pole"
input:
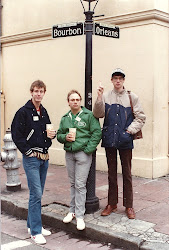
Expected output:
(92, 202)
(88, 60)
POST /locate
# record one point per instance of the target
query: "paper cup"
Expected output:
(48, 128)
(73, 132)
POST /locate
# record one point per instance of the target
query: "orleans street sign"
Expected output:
(106, 30)
(76, 29)
(73, 29)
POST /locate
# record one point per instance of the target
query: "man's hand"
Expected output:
(100, 91)
(51, 133)
(70, 137)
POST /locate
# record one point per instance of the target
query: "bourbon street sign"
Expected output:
(72, 29)
(106, 30)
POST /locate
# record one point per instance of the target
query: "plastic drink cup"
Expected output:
(49, 127)
(73, 132)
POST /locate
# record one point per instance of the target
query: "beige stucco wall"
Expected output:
(23, 16)
(29, 53)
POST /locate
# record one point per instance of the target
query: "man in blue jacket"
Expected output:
(29, 134)
(118, 130)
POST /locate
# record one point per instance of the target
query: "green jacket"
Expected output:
(88, 132)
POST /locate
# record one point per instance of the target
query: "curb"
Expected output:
(92, 231)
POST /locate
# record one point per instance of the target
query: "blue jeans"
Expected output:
(78, 166)
(36, 171)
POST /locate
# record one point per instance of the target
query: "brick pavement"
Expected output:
(58, 240)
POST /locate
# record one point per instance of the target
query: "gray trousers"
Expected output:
(78, 166)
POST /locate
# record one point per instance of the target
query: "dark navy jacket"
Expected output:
(29, 129)
(118, 118)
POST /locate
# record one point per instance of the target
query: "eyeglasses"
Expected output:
(116, 78)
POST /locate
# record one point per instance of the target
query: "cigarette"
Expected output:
(100, 84)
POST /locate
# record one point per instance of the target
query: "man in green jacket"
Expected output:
(80, 133)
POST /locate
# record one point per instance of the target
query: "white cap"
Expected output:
(118, 71)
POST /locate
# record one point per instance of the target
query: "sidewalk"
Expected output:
(150, 229)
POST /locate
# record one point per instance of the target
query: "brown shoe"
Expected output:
(130, 213)
(108, 210)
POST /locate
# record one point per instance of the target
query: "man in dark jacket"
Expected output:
(118, 130)
(29, 134)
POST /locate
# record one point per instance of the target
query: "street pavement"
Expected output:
(149, 231)
(15, 236)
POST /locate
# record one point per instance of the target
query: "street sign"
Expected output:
(76, 29)
(72, 29)
(106, 30)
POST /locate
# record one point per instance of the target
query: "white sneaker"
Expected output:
(69, 217)
(44, 232)
(80, 224)
(39, 239)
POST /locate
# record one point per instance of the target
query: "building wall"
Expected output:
(29, 53)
